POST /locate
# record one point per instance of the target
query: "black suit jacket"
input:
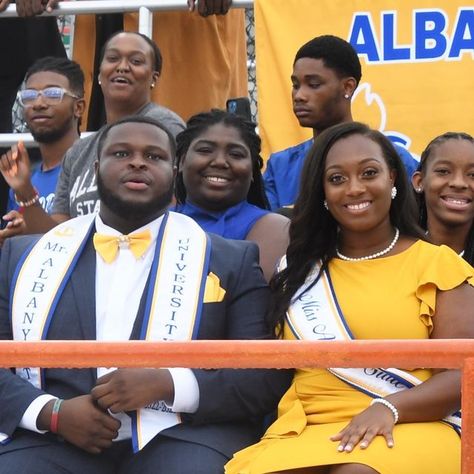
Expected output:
(232, 402)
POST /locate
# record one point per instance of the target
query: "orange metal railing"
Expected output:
(457, 353)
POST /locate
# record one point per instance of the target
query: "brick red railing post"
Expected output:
(467, 451)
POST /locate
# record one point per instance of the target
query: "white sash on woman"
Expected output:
(314, 314)
(181, 260)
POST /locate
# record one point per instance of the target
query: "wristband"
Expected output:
(55, 415)
(389, 405)
(29, 202)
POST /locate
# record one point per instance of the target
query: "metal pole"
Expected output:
(113, 6)
(145, 21)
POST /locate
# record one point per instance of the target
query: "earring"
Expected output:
(99, 81)
(394, 192)
(325, 204)
(152, 85)
(419, 189)
(346, 96)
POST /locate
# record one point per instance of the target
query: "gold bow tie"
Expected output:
(107, 245)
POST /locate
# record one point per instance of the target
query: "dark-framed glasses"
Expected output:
(50, 95)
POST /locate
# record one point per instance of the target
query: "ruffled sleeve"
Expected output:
(443, 270)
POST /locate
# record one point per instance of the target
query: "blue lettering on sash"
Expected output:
(171, 328)
(434, 39)
(178, 278)
(380, 374)
(38, 287)
(28, 317)
(41, 274)
(159, 406)
(310, 307)
(32, 303)
(320, 331)
(176, 302)
(54, 248)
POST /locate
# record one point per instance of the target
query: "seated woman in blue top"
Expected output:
(219, 183)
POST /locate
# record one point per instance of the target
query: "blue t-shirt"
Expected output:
(282, 176)
(45, 184)
(233, 223)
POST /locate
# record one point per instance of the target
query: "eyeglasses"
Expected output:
(51, 96)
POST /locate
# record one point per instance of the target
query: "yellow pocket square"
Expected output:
(213, 293)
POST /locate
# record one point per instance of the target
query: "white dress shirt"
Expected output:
(119, 287)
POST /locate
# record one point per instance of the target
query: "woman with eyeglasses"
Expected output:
(130, 67)
(444, 184)
(358, 267)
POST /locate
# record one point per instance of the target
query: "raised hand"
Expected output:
(4, 4)
(210, 7)
(374, 421)
(50, 5)
(131, 389)
(27, 8)
(15, 168)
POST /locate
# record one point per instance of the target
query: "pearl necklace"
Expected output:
(374, 255)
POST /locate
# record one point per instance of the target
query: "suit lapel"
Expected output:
(137, 325)
(83, 288)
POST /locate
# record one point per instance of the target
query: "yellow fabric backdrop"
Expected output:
(420, 85)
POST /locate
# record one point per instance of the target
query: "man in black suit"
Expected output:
(134, 271)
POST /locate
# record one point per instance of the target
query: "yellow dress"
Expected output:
(386, 298)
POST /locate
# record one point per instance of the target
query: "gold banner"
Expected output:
(417, 65)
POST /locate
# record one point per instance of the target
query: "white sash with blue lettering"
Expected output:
(314, 314)
(38, 282)
(173, 304)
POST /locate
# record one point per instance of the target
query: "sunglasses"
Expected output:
(50, 95)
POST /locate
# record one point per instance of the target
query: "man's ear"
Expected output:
(349, 84)
(79, 108)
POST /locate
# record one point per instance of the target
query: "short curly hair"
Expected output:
(66, 67)
(336, 54)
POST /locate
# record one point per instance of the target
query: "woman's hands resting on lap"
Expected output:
(363, 428)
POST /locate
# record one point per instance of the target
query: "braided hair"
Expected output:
(197, 125)
(468, 254)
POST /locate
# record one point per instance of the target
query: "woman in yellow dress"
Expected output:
(357, 267)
